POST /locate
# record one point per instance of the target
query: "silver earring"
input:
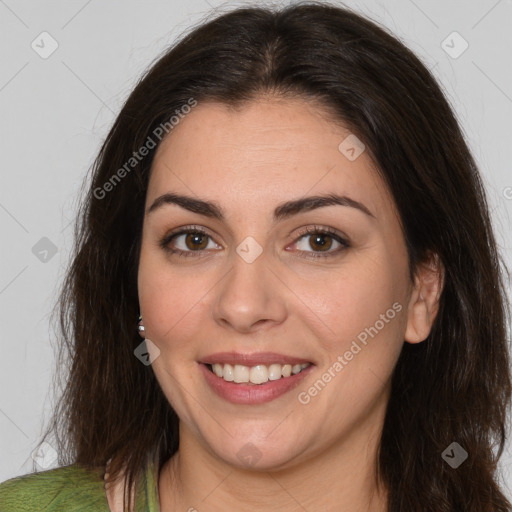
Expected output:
(141, 326)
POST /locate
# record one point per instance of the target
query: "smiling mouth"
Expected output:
(255, 375)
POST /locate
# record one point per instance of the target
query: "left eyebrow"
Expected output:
(283, 211)
(305, 204)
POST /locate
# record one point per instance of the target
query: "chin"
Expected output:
(258, 455)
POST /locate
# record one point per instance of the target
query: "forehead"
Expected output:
(266, 151)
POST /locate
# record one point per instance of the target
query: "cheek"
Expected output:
(361, 345)
(355, 299)
(170, 301)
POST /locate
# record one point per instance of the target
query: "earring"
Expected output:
(141, 326)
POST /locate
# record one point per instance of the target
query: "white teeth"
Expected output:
(226, 372)
(217, 368)
(274, 372)
(258, 374)
(296, 368)
(241, 373)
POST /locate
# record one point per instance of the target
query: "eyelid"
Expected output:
(314, 229)
(183, 230)
(341, 238)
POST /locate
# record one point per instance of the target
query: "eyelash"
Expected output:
(311, 230)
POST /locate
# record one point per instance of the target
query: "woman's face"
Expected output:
(256, 282)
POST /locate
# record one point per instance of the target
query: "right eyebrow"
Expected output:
(206, 208)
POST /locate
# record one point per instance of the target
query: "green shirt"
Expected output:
(71, 489)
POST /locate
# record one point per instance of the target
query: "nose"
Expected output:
(250, 296)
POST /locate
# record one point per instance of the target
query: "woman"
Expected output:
(288, 202)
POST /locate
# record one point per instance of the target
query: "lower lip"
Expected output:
(255, 393)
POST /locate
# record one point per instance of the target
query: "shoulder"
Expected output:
(70, 488)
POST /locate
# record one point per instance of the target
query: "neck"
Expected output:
(341, 478)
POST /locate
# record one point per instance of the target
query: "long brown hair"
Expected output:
(453, 387)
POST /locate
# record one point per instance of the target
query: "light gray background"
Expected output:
(56, 111)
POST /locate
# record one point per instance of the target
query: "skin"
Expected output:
(316, 456)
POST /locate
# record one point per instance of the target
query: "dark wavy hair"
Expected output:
(455, 386)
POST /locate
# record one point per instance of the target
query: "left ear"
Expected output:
(424, 301)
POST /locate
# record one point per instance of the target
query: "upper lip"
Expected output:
(256, 358)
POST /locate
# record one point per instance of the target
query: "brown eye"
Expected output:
(320, 242)
(195, 241)
(317, 242)
(188, 242)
